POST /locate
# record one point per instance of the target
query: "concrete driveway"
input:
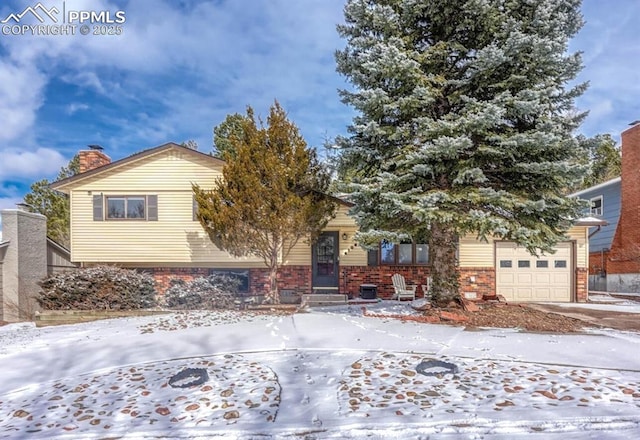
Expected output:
(616, 314)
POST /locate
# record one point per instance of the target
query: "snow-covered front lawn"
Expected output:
(329, 373)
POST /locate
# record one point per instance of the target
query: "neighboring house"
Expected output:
(139, 212)
(604, 203)
(26, 257)
(614, 259)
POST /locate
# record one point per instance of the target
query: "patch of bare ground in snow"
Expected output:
(523, 317)
(499, 315)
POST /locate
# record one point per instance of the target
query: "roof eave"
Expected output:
(64, 184)
(594, 187)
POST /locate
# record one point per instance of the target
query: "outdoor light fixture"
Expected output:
(344, 236)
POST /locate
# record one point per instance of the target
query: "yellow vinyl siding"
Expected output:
(342, 220)
(581, 236)
(300, 254)
(477, 253)
(350, 254)
(162, 172)
(174, 238)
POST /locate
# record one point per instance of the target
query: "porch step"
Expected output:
(324, 299)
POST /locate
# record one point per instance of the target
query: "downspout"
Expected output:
(595, 232)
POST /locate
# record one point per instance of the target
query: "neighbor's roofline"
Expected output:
(58, 185)
(598, 186)
(57, 245)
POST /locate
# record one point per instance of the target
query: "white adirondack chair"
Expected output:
(426, 288)
(402, 291)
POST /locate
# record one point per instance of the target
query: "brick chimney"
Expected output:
(92, 158)
(625, 248)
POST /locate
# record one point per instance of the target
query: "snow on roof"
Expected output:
(590, 221)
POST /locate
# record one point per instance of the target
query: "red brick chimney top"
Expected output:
(92, 158)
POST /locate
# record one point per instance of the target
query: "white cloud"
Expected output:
(35, 164)
(217, 57)
(76, 107)
(21, 95)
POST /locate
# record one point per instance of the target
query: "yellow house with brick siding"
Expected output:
(139, 212)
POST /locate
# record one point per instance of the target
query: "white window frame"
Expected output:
(596, 211)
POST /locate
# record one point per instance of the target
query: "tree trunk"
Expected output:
(444, 271)
(273, 296)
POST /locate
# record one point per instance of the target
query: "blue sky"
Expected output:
(180, 67)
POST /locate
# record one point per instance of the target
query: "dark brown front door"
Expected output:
(324, 261)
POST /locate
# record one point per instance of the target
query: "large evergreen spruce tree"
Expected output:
(465, 120)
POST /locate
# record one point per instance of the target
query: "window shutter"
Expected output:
(98, 206)
(372, 258)
(152, 208)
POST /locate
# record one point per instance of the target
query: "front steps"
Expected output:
(324, 299)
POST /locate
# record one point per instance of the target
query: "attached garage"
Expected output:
(522, 277)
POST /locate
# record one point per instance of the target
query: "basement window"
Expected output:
(241, 275)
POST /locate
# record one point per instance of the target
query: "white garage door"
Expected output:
(522, 277)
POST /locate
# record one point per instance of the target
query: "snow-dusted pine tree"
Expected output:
(465, 120)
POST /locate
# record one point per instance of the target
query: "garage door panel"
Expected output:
(542, 294)
(542, 278)
(523, 277)
(561, 278)
(506, 278)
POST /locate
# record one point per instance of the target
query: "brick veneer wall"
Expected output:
(298, 278)
(582, 284)
(163, 275)
(477, 282)
(351, 277)
(625, 248)
(598, 262)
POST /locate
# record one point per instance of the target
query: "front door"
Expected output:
(324, 261)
